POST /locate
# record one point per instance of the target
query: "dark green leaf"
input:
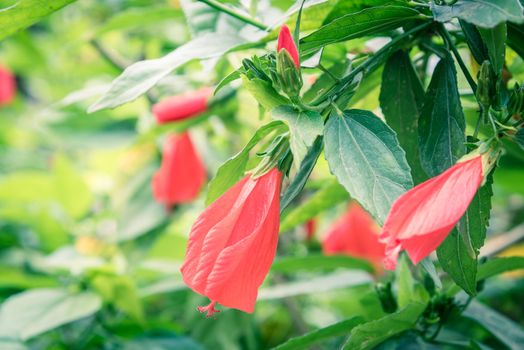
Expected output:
(483, 13)
(301, 177)
(441, 124)
(401, 98)
(371, 334)
(294, 264)
(305, 126)
(355, 25)
(519, 136)
(22, 14)
(497, 266)
(142, 76)
(474, 40)
(36, 311)
(459, 251)
(343, 8)
(326, 197)
(233, 169)
(516, 38)
(334, 330)
(495, 40)
(365, 156)
(507, 331)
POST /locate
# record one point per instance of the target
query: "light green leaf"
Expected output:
(24, 13)
(401, 97)
(264, 93)
(72, 191)
(370, 334)
(409, 289)
(441, 125)
(330, 194)
(355, 25)
(507, 331)
(497, 266)
(483, 13)
(495, 40)
(233, 169)
(202, 18)
(141, 76)
(162, 342)
(36, 311)
(305, 126)
(307, 340)
(319, 262)
(365, 156)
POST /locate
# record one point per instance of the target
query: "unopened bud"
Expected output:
(289, 78)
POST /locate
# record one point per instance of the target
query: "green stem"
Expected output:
(369, 63)
(226, 9)
(447, 38)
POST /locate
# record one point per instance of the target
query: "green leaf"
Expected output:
(408, 289)
(355, 25)
(483, 13)
(365, 156)
(36, 311)
(202, 18)
(441, 123)
(233, 169)
(138, 18)
(24, 13)
(293, 264)
(497, 266)
(474, 40)
(516, 38)
(495, 40)
(507, 331)
(401, 97)
(264, 93)
(330, 194)
(121, 292)
(307, 340)
(73, 193)
(342, 8)
(162, 342)
(305, 126)
(519, 137)
(371, 334)
(302, 175)
(142, 76)
(459, 251)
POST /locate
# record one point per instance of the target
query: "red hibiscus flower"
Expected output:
(233, 242)
(182, 173)
(285, 42)
(7, 86)
(182, 107)
(421, 218)
(355, 234)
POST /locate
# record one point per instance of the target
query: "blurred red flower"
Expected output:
(233, 242)
(183, 106)
(182, 173)
(421, 218)
(285, 41)
(355, 234)
(7, 86)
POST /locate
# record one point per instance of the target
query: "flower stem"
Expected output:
(226, 9)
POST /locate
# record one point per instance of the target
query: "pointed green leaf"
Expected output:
(355, 25)
(307, 340)
(369, 335)
(365, 156)
(497, 266)
(401, 98)
(441, 124)
(495, 40)
(474, 40)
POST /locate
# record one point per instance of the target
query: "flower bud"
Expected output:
(184, 106)
(286, 43)
(289, 78)
(484, 87)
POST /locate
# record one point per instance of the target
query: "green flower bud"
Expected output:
(289, 78)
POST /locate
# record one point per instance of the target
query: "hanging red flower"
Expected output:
(182, 107)
(7, 86)
(182, 173)
(233, 242)
(355, 234)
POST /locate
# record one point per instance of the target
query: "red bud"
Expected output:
(182, 107)
(285, 41)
